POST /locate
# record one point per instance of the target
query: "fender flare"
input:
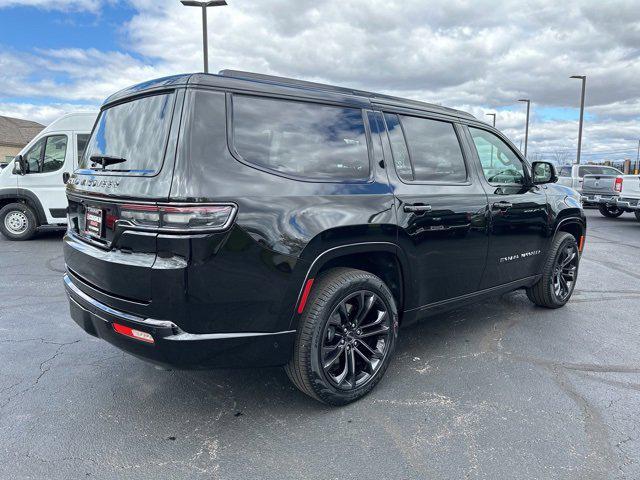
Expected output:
(353, 248)
(570, 219)
(28, 197)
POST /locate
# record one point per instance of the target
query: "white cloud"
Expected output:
(481, 56)
(43, 114)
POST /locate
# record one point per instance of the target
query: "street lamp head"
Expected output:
(581, 77)
(524, 100)
(196, 3)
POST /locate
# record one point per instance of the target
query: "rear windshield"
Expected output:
(131, 137)
(594, 170)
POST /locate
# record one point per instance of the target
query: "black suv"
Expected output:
(247, 220)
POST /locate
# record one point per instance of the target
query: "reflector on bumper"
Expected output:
(133, 333)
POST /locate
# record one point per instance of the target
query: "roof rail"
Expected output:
(332, 88)
(291, 81)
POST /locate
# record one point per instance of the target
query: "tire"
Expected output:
(637, 214)
(610, 211)
(337, 298)
(18, 221)
(545, 293)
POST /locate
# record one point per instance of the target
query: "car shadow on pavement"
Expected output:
(236, 392)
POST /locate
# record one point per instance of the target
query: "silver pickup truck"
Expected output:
(573, 175)
(606, 192)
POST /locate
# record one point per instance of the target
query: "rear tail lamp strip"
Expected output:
(183, 218)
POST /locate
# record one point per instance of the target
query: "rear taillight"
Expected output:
(177, 218)
(618, 185)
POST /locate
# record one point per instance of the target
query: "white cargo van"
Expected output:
(32, 186)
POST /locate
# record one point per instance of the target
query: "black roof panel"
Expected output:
(243, 80)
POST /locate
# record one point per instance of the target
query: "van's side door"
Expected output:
(520, 221)
(46, 161)
(441, 207)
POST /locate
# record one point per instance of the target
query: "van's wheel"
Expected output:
(637, 214)
(18, 221)
(559, 275)
(610, 211)
(346, 337)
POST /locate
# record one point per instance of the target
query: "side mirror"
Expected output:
(543, 172)
(19, 167)
(65, 177)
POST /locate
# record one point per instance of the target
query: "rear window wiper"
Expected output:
(106, 160)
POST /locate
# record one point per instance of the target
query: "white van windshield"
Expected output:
(131, 137)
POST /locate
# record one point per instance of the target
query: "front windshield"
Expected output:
(134, 132)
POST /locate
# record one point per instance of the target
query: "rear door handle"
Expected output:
(416, 208)
(502, 205)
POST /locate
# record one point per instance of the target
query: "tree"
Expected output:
(562, 157)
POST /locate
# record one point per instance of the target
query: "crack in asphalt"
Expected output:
(44, 368)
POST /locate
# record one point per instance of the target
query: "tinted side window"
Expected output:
(434, 149)
(500, 164)
(54, 153)
(302, 139)
(399, 147)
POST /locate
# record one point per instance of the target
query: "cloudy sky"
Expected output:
(58, 56)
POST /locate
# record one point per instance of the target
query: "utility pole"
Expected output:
(526, 131)
(205, 40)
(584, 86)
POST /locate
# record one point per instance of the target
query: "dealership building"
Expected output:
(15, 133)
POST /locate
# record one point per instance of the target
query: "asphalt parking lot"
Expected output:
(501, 389)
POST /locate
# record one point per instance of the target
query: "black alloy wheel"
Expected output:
(346, 336)
(559, 275)
(565, 271)
(356, 340)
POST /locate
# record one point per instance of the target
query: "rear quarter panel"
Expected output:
(282, 224)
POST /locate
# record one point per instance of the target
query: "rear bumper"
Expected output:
(597, 199)
(174, 347)
(628, 203)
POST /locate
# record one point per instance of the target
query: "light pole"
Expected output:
(638, 160)
(526, 131)
(584, 85)
(205, 41)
